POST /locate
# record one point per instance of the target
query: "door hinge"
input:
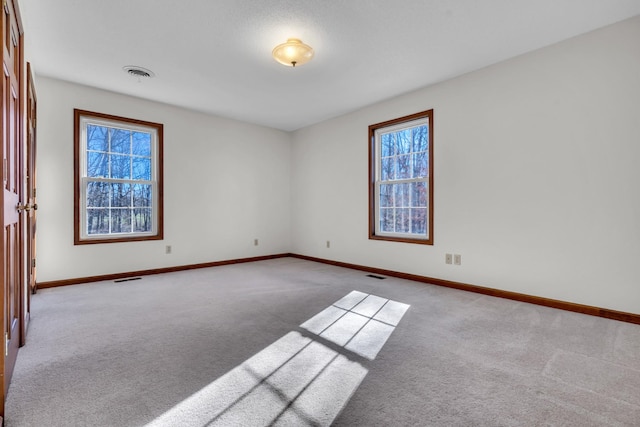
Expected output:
(33, 263)
(34, 192)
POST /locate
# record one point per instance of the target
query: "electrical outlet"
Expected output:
(328, 244)
(167, 249)
(457, 259)
(448, 259)
(255, 242)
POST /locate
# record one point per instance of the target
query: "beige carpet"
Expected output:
(292, 342)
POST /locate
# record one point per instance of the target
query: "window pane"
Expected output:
(420, 139)
(120, 166)
(141, 168)
(401, 195)
(420, 165)
(142, 220)
(120, 195)
(402, 220)
(120, 141)
(141, 144)
(97, 221)
(404, 141)
(97, 165)
(97, 194)
(388, 168)
(386, 220)
(419, 220)
(404, 167)
(121, 170)
(419, 194)
(387, 149)
(97, 138)
(120, 220)
(400, 165)
(142, 195)
(386, 195)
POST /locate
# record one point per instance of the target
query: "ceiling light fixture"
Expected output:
(292, 53)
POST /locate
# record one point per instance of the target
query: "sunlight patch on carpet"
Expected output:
(296, 380)
(359, 322)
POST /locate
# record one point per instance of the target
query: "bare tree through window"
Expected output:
(119, 177)
(401, 179)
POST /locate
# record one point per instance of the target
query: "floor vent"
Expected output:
(127, 280)
(376, 277)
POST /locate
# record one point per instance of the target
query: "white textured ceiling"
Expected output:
(215, 55)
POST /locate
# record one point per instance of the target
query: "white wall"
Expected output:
(537, 176)
(226, 183)
(537, 179)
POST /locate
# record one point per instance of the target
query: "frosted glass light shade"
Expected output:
(292, 53)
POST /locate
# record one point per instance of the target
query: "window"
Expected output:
(401, 179)
(118, 179)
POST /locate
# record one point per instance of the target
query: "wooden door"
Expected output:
(29, 240)
(12, 294)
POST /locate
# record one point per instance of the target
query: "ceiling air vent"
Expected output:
(138, 72)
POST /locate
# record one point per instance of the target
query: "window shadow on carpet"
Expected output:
(297, 380)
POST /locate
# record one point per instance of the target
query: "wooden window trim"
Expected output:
(428, 114)
(159, 235)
